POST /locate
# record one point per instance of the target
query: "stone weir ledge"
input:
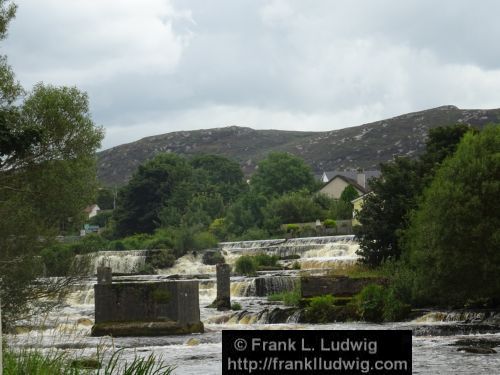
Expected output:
(145, 309)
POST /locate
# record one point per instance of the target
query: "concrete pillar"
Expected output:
(223, 300)
(104, 275)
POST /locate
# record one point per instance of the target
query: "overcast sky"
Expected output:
(155, 66)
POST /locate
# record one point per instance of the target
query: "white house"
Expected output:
(92, 210)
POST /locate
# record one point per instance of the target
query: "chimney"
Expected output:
(361, 179)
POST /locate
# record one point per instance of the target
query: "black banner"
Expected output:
(301, 352)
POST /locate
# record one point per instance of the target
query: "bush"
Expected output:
(370, 303)
(296, 265)
(204, 240)
(212, 258)
(246, 265)
(394, 309)
(292, 228)
(321, 309)
(264, 260)
(117, 245)
(57, 260)
(235, 306)
(89, 244)
(330, 223)
(291, 298)
(218, 229)
(252, 234)
(162, 259)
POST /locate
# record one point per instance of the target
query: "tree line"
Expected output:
(435, 220)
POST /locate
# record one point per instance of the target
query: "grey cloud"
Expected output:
(155, 66)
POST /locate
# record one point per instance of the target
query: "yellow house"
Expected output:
(357, 206)
(338, 183)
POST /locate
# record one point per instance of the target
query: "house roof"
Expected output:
(90, 208)
(350, 181)
(352, 174)
(361, 197)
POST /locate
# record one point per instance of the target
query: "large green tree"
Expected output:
(47, 176)
(385, 213)
(166, 177)
(282, 173)
(453, 241)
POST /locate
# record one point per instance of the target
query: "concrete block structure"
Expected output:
(147, 309)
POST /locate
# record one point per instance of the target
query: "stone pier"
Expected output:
(223, 300)
(146, 309)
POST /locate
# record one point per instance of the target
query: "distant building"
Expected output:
(357, 206)
(362, 178)
(92, 210)
(336, 185)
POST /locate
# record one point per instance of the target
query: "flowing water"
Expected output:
(435, 333)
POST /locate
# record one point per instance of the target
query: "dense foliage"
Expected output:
(47, 176)
(453, 241)
(282, 173)
(385, 213)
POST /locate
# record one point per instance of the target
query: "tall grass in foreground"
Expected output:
(33, 362)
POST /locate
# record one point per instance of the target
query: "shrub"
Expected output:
(394, 309)
(296, 265)
(90, 243)
(117, 245)
(57, 260)
(218, 229)
(212, 258)
(253, 234)
(235, 306)
(265, 260)
(292, 228)
(204, 240)
(246, 265)
(370, 303)
(321, 309)
(162, 259)
(330, 223)
(291, 298)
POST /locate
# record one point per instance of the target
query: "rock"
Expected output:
(84, 322)
(192, 342)
(476, 350)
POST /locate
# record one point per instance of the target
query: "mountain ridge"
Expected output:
(361, 146)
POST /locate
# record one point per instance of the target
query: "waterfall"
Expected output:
(265, 286)
(312, 252)
(244, 288)
(265, 316)
(121, 262)
(188, 264)
(453, 316)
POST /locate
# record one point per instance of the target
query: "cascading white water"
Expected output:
(188, 264)
(124, 262)
(314, 252)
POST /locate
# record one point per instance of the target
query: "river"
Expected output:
(68, 328)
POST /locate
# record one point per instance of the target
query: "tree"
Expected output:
(47, 177)
(385, 213)
(165, 178)
(297, 207)
(105, 199)
(349, 194)
(453, 241)
(223, 175)
(282, 173)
